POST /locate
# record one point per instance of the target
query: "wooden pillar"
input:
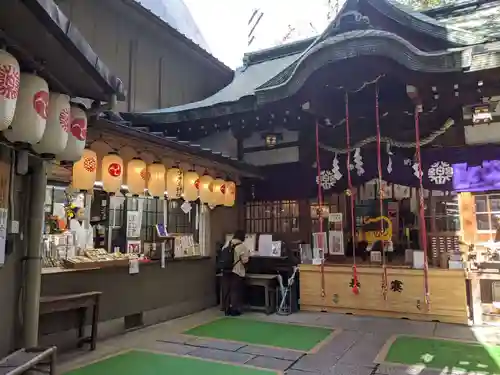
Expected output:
(467, 217)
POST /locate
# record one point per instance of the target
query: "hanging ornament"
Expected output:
(191, 185)
(77, 135)
(358, 162)
(137, 176)
(206, 190)
(112, 173)
(55, 136)
(389, 154)
(174, 181)
(85, 171)
(31, 113)
(336, 168)
(355, 284)
(156, 180)
(219, 190)
(230, 195)
(9, 88)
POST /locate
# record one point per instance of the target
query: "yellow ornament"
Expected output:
(348, 192)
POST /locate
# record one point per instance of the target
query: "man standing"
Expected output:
(232, 264)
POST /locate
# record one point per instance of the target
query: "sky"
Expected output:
(223, 24)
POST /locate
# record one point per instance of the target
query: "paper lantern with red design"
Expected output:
(55, 137)
(85, 171)
(77, 135)
(207, 189)
(156, 181)
(230, 194)
(9, 88)
(32, 108)
(191, 185)
(219, 189)
(112, 173)
(137, 176)
(174, 181)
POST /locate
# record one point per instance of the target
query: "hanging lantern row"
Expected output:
(30, 114)
(155, 179)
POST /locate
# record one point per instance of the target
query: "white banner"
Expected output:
(336, 242)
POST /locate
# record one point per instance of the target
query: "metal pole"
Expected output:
(38, 185)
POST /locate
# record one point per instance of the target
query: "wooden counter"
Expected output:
(447, 293)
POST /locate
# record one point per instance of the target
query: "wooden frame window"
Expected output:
(272, 217)
(445, 211)
(487, 211)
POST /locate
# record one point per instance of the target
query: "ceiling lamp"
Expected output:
(112, 173)
(174, 182)
(77, 135)
(55, 136)
(137, 176)
(30, 117)
(9, 88)
(219, 190)
(206, 189)
(156, 180)
(85, 171)
(230, 194)
(191, 185)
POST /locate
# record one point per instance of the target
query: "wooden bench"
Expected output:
(81, 303)
(268, 282)
(25, 360)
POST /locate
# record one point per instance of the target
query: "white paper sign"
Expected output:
(133, 266)
(133, 224)
(133, 247)
(266, 245)
(335, 217)
(163, 254)
(336, 242)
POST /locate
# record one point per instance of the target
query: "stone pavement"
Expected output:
(351, 352)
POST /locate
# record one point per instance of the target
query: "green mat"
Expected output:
(442, 354)
(144, 363)
(287, 336)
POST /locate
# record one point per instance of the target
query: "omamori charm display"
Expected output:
(9, 88)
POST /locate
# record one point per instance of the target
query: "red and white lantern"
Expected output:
(32, 110)
(137, 176)
(55, 137)
(112, 173)
(219, 190)
(85, 171)
(230, 194)
(156, 182)
(9, 88)
(77, 135)
(174, 182)
(191, 185)
(206, 189)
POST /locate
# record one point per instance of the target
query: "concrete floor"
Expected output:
(351, 352)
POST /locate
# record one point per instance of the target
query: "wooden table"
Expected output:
(80, 302)
(268, 282)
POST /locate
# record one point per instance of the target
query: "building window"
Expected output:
(272, 217)
(487, 211)
(446, 213)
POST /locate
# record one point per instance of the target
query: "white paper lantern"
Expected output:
(230, 194)
(206, 189)
(112, 173)
(85, 171)
(156, 182)
(55, 137)
(32, 108)
(191, 185)
(219, 190)
(9, 88)
(137, 176)
(174, 182)
(77, 135)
